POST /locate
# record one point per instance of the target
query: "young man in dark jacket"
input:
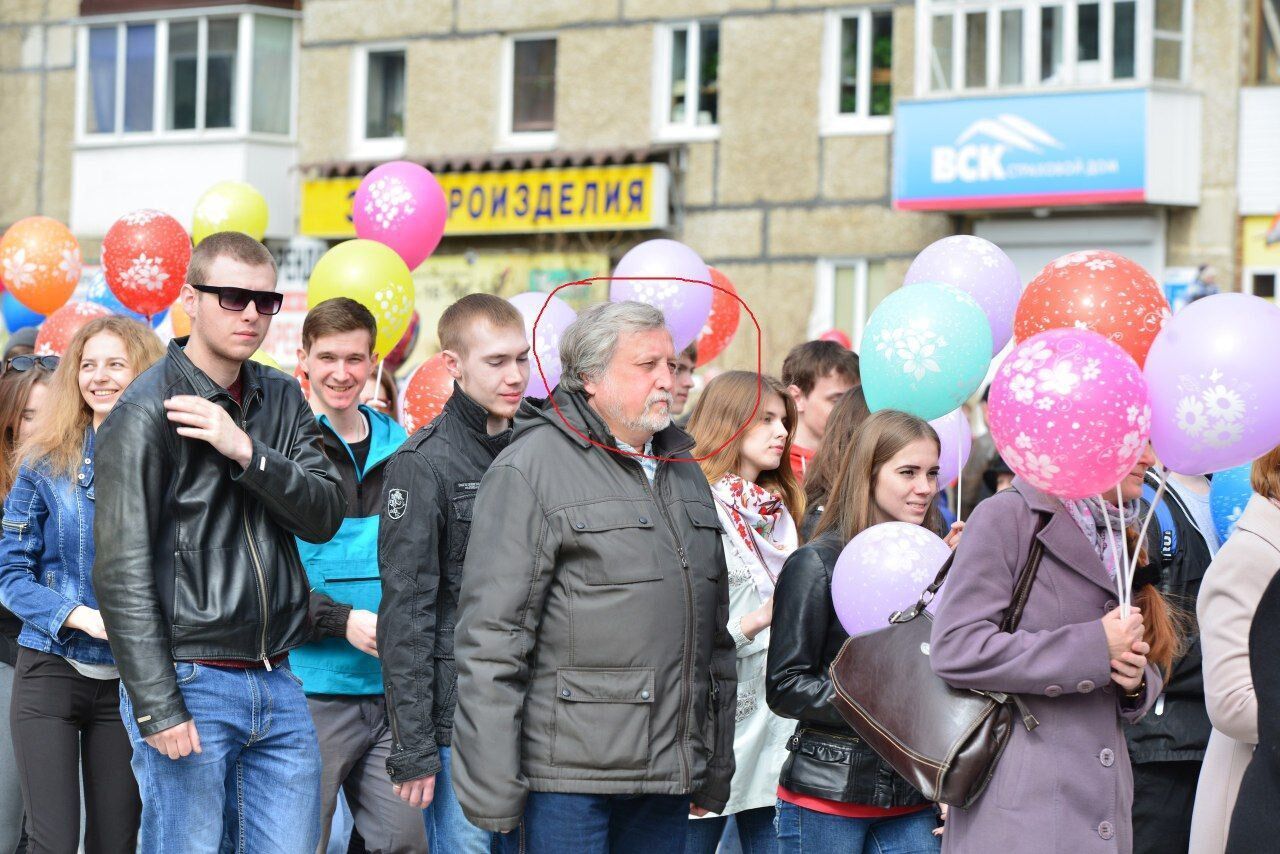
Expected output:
(429, 490)
(207, 469)
(596, 673)
(339, 670)
(1167, 747)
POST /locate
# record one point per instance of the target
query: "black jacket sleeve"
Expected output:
(131, 472)
(301, 491)
(326, 617)
(797, 684)
(410, 557)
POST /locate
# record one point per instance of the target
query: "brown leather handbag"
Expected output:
(945, 741)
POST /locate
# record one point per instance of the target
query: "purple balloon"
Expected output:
(686, 306)
(882, 570)
(956, 438)
(555, 320)
(979, 268)
(1211, 372)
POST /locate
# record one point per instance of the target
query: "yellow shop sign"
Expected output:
(586, 198)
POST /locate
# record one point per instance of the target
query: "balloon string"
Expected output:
(1115, 559)
(377, 386)
(1146, 522)
(1124, 544)
(959, 484)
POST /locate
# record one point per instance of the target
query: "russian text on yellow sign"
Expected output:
(588, 198)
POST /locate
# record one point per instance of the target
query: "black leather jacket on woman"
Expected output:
(827, 758)
(195, 557)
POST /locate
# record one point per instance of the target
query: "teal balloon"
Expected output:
(925, 350)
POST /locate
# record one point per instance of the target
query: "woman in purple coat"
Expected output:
(1066, 787)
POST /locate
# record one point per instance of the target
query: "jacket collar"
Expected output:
(473, 416)
(1261, 518)
(1063, 538)
(200, 382)
(385, 436)
(583, 425)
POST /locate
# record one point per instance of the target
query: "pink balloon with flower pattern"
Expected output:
(1070, 413)
(402, 205)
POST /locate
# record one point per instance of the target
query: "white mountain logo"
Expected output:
(978, 153)
(1013, 131)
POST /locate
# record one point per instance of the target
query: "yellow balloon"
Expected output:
(374, 276)
(262, 357)
(230, 206)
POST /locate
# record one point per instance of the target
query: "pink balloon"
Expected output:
(956, 438)
(686, 306)
(1069, 412)
(1212, 372)
(401, 205)
(882, 570)
(555, 320)
(839, 336)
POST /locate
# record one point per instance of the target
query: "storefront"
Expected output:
(513, 226)
(1048, 173)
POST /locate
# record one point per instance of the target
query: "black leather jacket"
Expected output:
(429, 489)
(195, 557)
(827, 758)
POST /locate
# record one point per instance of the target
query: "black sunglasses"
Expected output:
(24, 363)
(237, 299)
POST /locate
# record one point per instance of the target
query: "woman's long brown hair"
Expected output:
(15, 391)
(723, 408)
(846, 416)
(1166, 626)
(60, 434)
(851, 507)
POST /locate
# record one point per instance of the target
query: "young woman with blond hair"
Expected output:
(758, 501)
(66, 703)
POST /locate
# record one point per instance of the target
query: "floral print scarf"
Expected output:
(761, 524)
(1093, 515)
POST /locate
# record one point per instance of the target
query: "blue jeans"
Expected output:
(255, 785)
(555, 823)
(803, 831)
(447, 828)
(753, 829)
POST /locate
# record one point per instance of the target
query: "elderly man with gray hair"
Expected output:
(596, 678)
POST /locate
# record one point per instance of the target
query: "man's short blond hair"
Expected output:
(459, 317)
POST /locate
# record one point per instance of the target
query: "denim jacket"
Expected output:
(46, 557)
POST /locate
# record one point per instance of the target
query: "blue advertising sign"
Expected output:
(1037, 150)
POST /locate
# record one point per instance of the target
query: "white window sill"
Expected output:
(687, 133)
(378, 149)
(221, 135)
(542, 141)
(857, 125)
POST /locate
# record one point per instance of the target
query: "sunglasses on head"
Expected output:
(237, 299)
(24, 363)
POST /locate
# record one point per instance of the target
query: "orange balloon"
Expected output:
(722, 323)
(40, 263)
(425, 394)
(1098, 290)
(180, 320)
(59, 328)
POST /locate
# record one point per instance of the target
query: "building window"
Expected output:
(858, 72)
(1261, 283)
(689, 80)
(971, 45)
(384, 95)
(186, 75)
(1267, 52)
(848, 291)
(530, 109)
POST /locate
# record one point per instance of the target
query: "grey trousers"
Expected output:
(10, 787)
(355, 739)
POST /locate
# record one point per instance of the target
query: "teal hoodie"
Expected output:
(346, 567)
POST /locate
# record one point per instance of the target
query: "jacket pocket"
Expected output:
(602, 718)
(460, 529)
(615, 542)
(706, 531)
(351, 582)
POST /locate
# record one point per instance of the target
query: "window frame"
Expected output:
(834, 122)
(508, 138)
(240, 129)
(376, 147)
(665, 130)
(1248, 275)
(1144, 46)
(823, 314)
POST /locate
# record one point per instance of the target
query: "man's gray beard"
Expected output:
(646, 423)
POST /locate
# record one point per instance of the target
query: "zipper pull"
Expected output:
(684, 560)
(266, 662)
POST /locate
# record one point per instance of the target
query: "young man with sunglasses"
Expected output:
(207, 469)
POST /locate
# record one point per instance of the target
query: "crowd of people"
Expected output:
(600, 622)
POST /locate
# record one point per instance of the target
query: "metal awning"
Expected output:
(500, 161)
